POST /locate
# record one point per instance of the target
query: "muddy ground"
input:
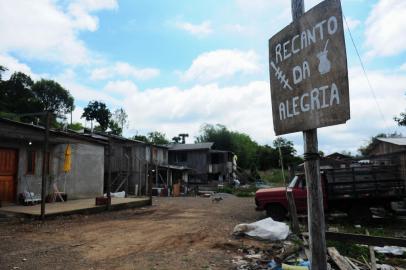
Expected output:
(174, 233)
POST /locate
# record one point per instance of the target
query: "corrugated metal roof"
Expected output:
(397, 141)
(54, 132)
(191, 146)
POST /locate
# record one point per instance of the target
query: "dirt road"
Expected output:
(174, 233)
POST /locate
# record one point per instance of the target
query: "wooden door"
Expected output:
(8, 171)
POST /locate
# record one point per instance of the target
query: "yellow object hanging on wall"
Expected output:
(67, 164)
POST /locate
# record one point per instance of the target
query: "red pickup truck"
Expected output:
(351, 190)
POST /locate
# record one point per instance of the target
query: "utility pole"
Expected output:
(109, 175)
(315, 211)
(45, 162)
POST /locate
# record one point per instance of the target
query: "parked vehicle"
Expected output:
(351, 190)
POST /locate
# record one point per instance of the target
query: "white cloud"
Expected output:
(352, 23)
(201, 30)
(172, 110)
(403, 67)
(247, 108)
(124, 70)
(76, 116)
(43, 30)
(221, 64)
(123, 88)
(14, 65)
(385, 28)
(81, 92)
(80, 12)
(237, 28)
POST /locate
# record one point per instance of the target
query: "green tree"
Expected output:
(141, 138)
(245, 148)
(287, 149)
(373, 141)
(157, 137)
(120, 117)
(176, 139)
(2, 69)
(75, 126)
(239, 143)
(401, 120)
(97, 110)
(115, 128)
(16, 96)
(268, 157)
(53, 97)
(218, 134)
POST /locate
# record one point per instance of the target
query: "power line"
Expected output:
(366, 75)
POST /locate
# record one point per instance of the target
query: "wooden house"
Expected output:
(128, 160)
(390, 151)
(139, 168)
(208, 166)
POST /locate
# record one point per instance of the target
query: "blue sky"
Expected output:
(174, 65)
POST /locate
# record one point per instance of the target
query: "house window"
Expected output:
(31, 162)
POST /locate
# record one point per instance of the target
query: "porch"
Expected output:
(81, 206)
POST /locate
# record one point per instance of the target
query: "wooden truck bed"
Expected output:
(365, 182)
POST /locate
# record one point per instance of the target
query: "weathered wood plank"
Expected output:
(365, 239)
(339, 260)
(371, 254)
(316, 221)
(293, 211)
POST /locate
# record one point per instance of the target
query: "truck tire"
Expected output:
(360, 214)
(276, 212)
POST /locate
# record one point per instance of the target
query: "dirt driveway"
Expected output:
(175, 233)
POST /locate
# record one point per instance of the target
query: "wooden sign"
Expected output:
(308, 71)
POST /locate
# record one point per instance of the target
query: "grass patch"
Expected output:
(274, 177)
(226, 189)
(239, 192)
(354, 251)
(244, 193)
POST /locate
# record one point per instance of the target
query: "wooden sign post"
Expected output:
(309, 89)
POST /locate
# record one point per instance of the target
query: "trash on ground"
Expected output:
(265, 229)
(279, 256)
(120, 194)
(398, 251)
(385, 267)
